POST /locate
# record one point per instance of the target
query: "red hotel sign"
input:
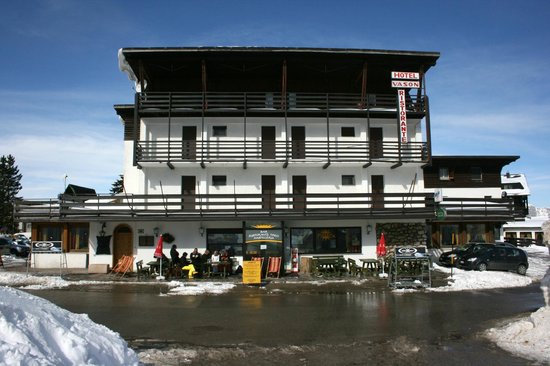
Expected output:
(407, 80)
(402, 114)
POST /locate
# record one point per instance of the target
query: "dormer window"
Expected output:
(444, 173)
(476, 175)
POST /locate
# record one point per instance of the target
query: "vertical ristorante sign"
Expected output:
(401, 80)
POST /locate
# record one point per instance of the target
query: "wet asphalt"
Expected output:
(305, 322)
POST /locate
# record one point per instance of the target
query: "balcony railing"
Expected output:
(158, 102)
(176, 207)
(279, 151)
(227, 207)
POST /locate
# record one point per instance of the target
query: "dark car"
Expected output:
(20, 248)
(452, 257)
(497, 257)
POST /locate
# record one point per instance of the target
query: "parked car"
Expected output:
(20, 248)
(497, 257)
(452, 257)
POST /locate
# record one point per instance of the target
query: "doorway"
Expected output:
(268, 192)
(268, 142)
(298, 142)
(377, 182)
(189, 143)
(123, 243)
(376, 146)
(299, 188)
(188, 186)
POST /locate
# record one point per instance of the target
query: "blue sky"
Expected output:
(59, 72)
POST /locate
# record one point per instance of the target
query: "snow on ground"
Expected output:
(199, 288)
(33, 331)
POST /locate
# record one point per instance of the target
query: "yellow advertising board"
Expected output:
(252, 272)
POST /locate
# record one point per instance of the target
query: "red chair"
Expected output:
(274, 266)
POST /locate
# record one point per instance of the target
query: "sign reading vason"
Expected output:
(408, 80)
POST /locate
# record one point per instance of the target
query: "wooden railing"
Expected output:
(267, 101)
(177, 207)
(228, 206)
(279, 151)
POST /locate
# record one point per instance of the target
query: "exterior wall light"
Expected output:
(102, 231)
(156, 231)
(201, 231)
(369, 229)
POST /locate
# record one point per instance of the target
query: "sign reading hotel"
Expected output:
(406, 79)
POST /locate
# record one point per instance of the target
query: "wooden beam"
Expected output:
(170, 165)
(397, 165)
(327, 164)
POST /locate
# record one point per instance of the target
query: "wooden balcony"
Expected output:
(211, 151)
(227, 207)
(174, 104)
(234, 207)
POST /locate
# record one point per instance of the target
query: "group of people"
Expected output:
(197, 264)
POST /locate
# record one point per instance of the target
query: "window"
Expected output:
(228, 239)
(219, 180)
(475, 233)
(444, 173)
(348, 131)
(476, 174)
(146, 241)
(326, 240)
(78, 237)
(219, 131)
(348, 180)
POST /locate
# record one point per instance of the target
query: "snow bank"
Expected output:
(199, 288)
(527, 337)
(34, 331)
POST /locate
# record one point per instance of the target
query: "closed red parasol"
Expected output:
(158, 249)
(381, 247)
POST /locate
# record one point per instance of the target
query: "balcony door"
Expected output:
(376, 147)
(298, 142)
(377, 182)
(268, 142)
(189, 137)
(268, 192)
(188, 186)
(299, 190)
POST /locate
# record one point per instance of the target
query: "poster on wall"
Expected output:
(264, 232)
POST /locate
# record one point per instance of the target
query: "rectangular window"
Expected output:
(219, 180)
(219, 131)
(146, 241)
(348, 131)
(444, 173)
(78, 237)
(326, 240)
(475, 233)
(348, 180)
(476, 174)
(228, 239)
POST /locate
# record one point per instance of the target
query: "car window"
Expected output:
(513, 253)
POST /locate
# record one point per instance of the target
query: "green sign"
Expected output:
(441, 213)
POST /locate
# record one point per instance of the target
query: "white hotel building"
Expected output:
(266, 150)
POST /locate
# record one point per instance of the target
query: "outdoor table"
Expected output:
(155, 266)
(371, 266)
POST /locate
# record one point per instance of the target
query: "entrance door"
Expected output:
(268, 142)
(298, 142)
(189, 137)
(299, 187)
(123, 243)
(188, 184)
(376, 147)
(377, 191)
(268, 192)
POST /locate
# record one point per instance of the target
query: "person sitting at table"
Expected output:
(196, 261)
(175, 255)
(205, 261)
(183, 260)
(225, 262)
(215, 261)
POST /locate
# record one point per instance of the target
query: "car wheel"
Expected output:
(482, 267)
(522, 269)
